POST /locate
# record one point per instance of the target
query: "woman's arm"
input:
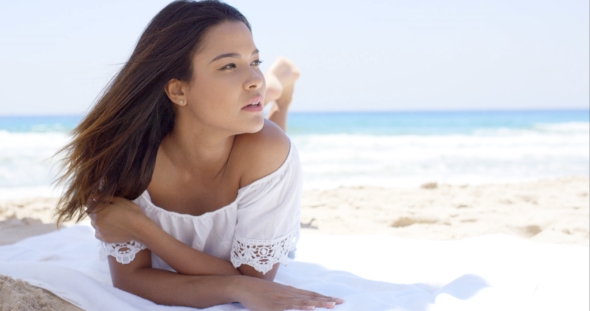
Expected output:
(169, 288)
(122, 221)
(187, 260)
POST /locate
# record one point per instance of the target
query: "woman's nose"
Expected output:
(255, 81)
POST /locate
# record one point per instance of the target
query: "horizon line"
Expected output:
(349, 111)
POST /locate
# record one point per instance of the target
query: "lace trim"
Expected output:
(262, 255)
(123, 252)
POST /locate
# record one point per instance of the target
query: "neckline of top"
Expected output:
(241, 191)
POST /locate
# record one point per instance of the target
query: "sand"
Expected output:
(554, 211)
(19, 295)
(551, 211)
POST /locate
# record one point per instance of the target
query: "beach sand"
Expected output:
(552, 211)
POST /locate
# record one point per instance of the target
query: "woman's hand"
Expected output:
(261, 295)
(116, 221)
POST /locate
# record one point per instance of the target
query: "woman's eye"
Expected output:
(228, 66)
(257, 62)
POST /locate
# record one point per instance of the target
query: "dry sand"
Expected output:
(18, 295)
(554, 211)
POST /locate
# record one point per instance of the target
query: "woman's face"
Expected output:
(227, 87)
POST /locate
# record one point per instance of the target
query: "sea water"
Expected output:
(386, 149)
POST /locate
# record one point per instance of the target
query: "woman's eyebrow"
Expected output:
(235, 55)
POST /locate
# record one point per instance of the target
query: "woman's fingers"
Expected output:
(316, 302)
(93, 221)
(300, 307)
(97, 234)
(316, 296)
(269, 296)
(309, 305)
(308, 300)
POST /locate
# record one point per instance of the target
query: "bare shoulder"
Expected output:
(261, 153)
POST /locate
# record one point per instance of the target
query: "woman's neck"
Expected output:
(197, 150)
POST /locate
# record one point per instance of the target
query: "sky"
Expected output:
(57, 56)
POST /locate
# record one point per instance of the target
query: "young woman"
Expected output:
(215, 186)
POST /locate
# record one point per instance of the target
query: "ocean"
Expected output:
(385, 149)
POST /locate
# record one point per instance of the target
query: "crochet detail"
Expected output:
(123, 252)
(262, 255)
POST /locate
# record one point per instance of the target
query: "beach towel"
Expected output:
(370, 272)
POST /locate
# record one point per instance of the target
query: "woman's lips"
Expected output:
(253, 108)
(254, 104)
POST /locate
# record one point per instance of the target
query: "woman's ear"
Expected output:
(175, 91)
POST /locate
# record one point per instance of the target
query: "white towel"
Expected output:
(372, 272)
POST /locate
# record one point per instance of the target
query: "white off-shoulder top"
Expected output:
(259, 228)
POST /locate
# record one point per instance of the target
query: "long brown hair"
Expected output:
(113, 150)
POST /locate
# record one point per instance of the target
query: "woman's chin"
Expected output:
(254, 125)
(258, 127)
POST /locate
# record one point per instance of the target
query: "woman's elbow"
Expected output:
(123, 282)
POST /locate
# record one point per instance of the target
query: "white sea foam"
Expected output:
(498, 155)
(333, 160)
(26, 164)
(570, 127)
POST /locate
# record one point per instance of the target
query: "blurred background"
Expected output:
(392, 93)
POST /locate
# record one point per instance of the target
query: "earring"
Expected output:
(181, 102)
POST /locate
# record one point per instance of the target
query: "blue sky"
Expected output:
(370, 55)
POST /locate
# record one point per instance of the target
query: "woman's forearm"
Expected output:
(203, 291)
(169, 288)
(181, 257)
